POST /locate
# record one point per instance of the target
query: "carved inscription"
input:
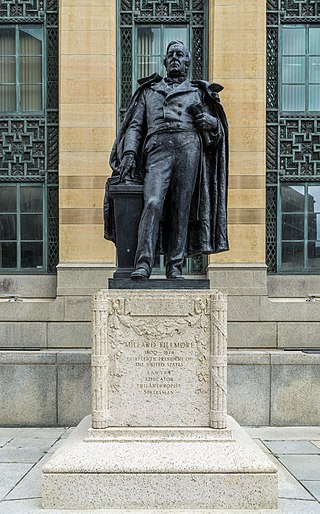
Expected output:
(159, 360)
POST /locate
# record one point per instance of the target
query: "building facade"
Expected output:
(67, 71)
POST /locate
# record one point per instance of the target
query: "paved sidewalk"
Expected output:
(295, 450)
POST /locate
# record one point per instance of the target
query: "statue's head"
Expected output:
(177, 59)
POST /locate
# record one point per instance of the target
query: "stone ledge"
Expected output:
(205, 474)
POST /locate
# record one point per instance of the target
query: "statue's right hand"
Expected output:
(128, 165)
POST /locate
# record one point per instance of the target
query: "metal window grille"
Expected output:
(29, 142)
(292, 139)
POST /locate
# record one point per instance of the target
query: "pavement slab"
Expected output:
(39, 443)
(284, 433)
(292, 447)
(10, 475)
(313, 486)
(30, 485)
(303, 467)
(4, 441)
(43, 432)
(289, 487)
(20, 455)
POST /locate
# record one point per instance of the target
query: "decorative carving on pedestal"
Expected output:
(149, 354)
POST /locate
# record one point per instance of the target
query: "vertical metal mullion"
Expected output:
(17, 41)
(279, 229)
(307, 68)
(45, 220)
(18, 228)
(305, 245)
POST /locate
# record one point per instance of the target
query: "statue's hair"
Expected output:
(187, 51)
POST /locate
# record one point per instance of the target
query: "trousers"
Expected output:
(171, 167)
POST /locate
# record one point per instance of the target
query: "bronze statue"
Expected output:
(174, 140)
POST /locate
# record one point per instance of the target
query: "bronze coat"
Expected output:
(207, 230)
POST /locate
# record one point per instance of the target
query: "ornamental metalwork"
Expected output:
(132, 12)
(22, 147)
(29, 144)
(293, 142)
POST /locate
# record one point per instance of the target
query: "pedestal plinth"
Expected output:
(159, 436)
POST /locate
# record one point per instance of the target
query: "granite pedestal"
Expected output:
(159, 436)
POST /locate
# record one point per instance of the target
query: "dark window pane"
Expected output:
(314, 199)
(7, 98)
(31, 227)
(292, 256)
(8, 199)
(293, 41)
(174, 33)
(7, 41)
(292, 199)
(314, 41)
(313, 226)
(294, 70)
(8, 255)
(292, 226)
(313, 261)
(314, 70)
(293, 98)
(31, 255)
(30, 70)
(7, 70)
(8, 229)
(30, 41)
(31, 199)
(314, 101)
(31, 97)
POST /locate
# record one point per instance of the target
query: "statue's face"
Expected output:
(175, 60)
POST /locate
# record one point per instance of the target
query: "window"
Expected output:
(21, 227)
(152, 42)
(300, 69)
(300, 228)
(21, 69)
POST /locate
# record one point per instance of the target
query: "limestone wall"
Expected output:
(87, 125)
(237, 38)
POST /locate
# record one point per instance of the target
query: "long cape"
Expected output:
(207, 229)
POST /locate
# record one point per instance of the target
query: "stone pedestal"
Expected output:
(159, 436)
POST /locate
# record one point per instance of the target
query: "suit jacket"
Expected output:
(207, 229)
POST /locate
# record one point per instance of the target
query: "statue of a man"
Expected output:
(174, 140)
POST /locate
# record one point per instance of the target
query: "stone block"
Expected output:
(74, 398)
(252, 335)
(173, 474)
(82, 279)
(23, 335)
(83, 242)
(299, 335)
(295, 392)
(78, 308)
(32, 310)
(243, 308)
(28, 395)
(238, 279)
(151, 358)
(249, 393)
(288, 309)
(69, 335)
(287, 286)
(29, 286)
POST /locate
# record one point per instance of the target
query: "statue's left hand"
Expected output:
(205, 121)
(127, 166)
